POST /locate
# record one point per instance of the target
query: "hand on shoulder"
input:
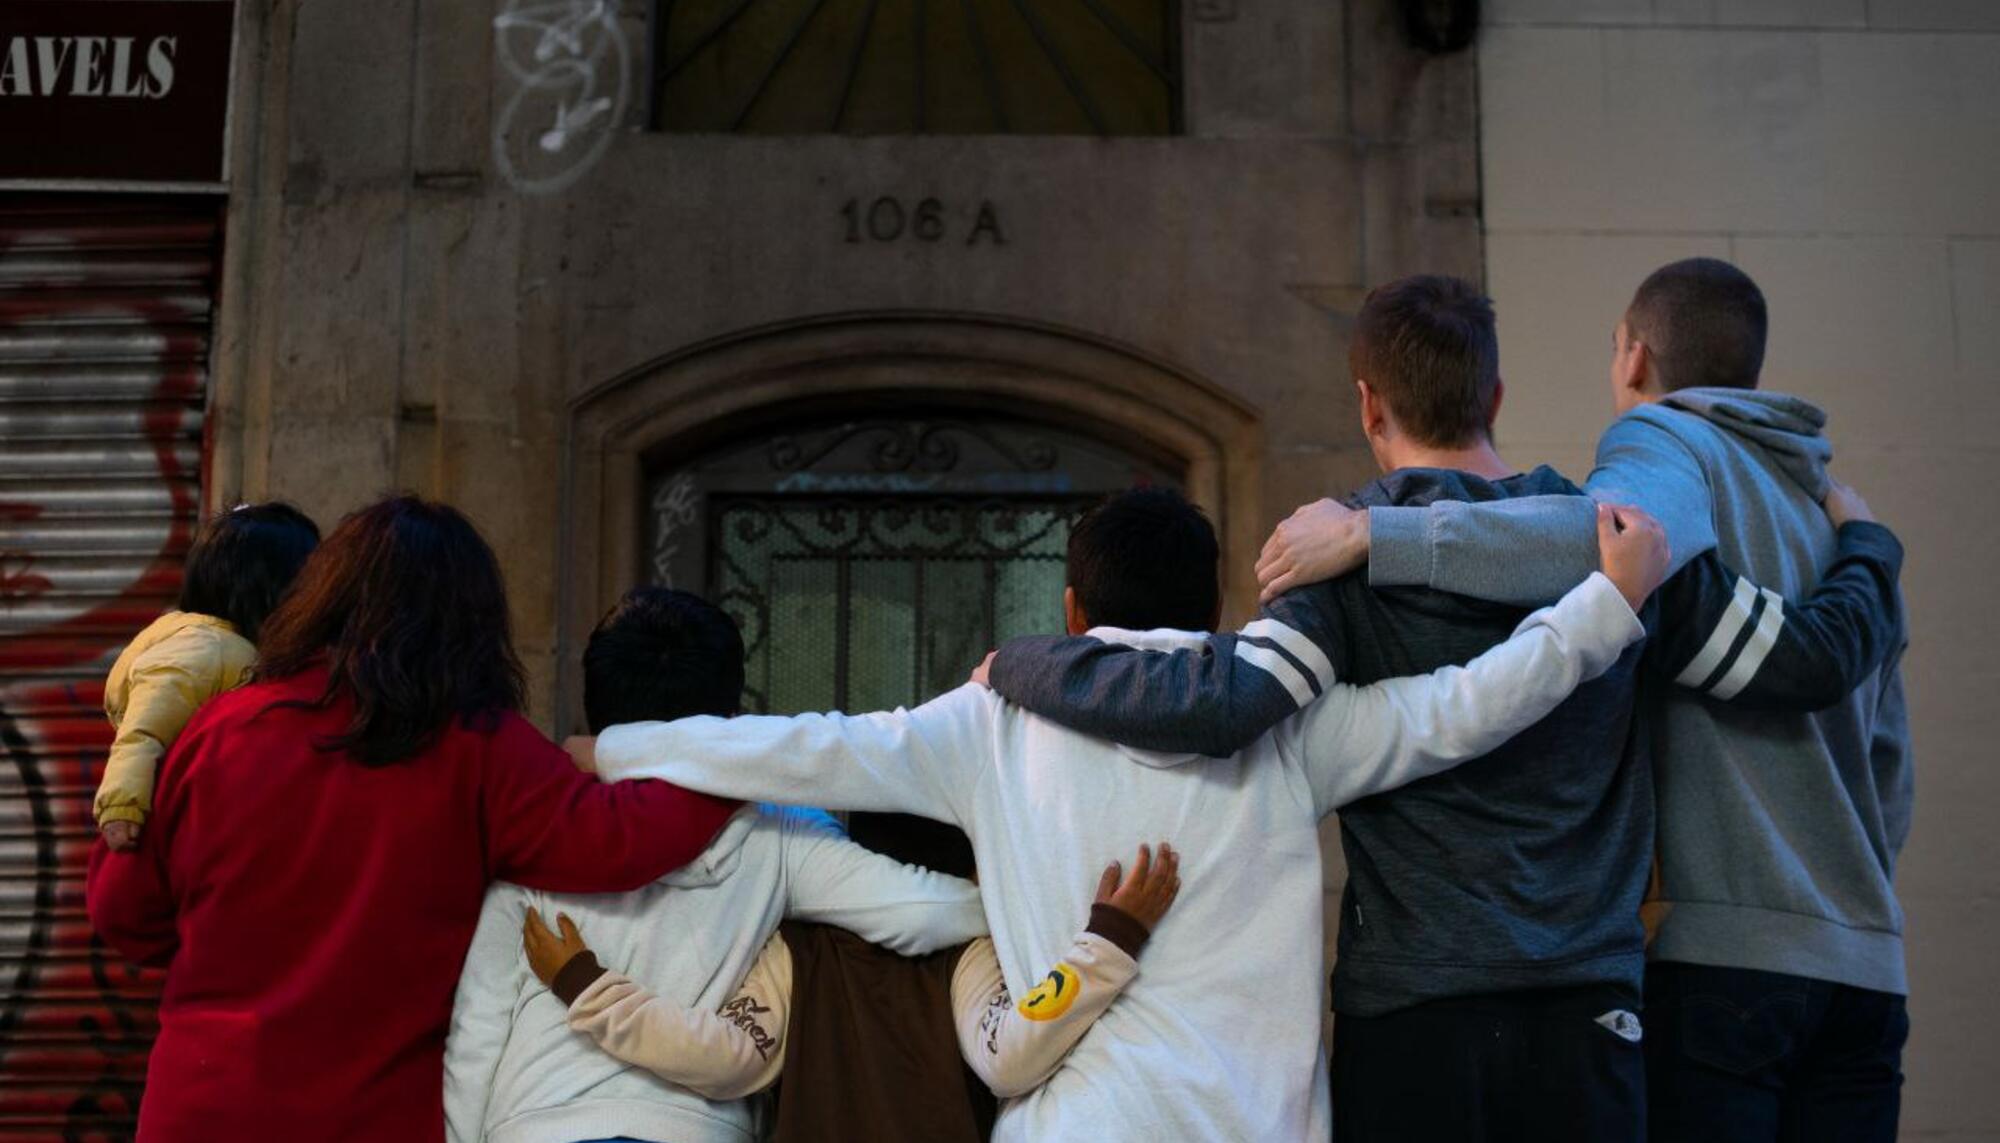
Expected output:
(1844, 505)
(1320, 541)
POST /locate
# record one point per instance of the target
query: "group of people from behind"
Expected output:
(391, 909)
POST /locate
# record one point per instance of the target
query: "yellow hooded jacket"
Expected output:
(178, 663)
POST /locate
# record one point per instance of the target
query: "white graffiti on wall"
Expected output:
(674, 508)
(569, 64)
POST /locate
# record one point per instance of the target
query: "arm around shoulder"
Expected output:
(1740, 643)
(550, 826)
(1359, 741)
(1525, 551)
(906, 761)
(1214, 699)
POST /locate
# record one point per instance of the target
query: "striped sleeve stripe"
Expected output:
(1726, 630)
(1304, 671)
(1296, 645)
(1278, 667)
(1751, 658)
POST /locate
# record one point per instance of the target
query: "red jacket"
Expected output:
(313, 913)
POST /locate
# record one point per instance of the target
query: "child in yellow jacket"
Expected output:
(237, 570)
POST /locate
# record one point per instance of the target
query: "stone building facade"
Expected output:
(831, 308)
(418, 294)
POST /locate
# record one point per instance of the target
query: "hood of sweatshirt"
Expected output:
(1791, 429)
(721, 857)
(1159, 639)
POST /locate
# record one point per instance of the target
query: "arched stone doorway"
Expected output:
(994, 428)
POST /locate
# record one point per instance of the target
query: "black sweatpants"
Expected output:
(1548, 1066)
(1734, 1055)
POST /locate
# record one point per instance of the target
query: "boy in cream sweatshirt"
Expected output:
(515, 1072)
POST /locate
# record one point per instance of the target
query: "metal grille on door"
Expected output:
(105, 309)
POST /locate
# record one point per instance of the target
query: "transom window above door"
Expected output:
(947, 67)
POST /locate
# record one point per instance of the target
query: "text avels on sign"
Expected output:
(112, 67)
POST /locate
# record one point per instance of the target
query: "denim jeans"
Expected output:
(1735, 1055)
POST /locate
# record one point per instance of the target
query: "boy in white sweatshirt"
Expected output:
(515, 1072)
(1219, 1038)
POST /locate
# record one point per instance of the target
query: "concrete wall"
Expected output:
(1844, 153)
(397, 314)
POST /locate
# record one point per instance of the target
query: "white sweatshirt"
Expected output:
(516, 1073)
(1219, 1037)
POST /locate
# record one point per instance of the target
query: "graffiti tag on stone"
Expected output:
(569, 64)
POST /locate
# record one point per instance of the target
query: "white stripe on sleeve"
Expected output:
(1726, 630)
(1278, 667)
(1754, 652)
(1294, 641)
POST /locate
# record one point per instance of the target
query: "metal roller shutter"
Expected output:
(105, 309)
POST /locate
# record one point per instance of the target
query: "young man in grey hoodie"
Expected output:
(1776, 988)
(1491, 950)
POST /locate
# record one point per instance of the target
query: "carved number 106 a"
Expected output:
(887, 220)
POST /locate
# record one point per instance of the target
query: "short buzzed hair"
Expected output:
(1704, 322)
(1427, 346)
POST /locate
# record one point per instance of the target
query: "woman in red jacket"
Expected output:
(322, 838)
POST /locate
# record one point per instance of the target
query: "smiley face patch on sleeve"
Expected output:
(1053, 996)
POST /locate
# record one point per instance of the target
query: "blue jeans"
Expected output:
(1739, 1056)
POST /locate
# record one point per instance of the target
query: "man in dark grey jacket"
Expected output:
(1491, 950)
(1776, 989)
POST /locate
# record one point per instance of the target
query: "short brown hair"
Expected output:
(1427, 345)
(1704, 322)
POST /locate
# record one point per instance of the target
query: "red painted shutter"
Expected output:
(105, 311)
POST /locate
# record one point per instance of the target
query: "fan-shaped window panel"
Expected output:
(949, 67)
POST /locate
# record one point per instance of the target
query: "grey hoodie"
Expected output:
(1778, 833)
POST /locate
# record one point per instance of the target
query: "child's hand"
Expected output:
(547, 952)
(1145, 893)
(121, 835)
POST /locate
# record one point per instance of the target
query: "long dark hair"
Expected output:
(405, 606)
(243, 560)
